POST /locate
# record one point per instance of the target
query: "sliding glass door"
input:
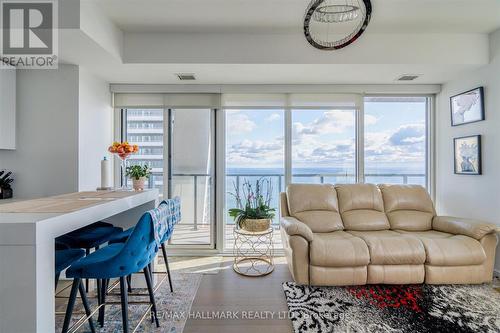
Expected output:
(191, 174)
(254, 151)
(178, 145)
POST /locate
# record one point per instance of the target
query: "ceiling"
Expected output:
(257, 16)
(422, 29)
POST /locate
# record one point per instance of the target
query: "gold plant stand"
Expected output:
(253, 252)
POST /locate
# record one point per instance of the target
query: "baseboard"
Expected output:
(496, 273)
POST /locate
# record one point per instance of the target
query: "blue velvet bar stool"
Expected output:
(89, 237)
(118, 261)
(64, 258)
(174, 218)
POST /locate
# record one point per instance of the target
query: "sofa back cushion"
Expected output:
(316, 205)
(408, 207)
(361, 207)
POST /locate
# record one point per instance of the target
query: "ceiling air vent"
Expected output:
(407, 77)
(186, 76)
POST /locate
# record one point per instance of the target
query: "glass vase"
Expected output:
(124, 165)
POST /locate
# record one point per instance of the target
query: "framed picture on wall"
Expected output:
(467, 152)
(467, 107)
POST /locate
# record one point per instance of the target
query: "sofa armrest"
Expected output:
(292, 227)
(460, 226)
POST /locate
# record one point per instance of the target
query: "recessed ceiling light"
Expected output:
(408, 77)
(186, 76)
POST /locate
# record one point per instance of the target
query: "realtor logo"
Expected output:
(28, 35)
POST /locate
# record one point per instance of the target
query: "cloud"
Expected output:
(370, 120)
(273, 117)
(404, 144)
(408, 135)
(239, 122)
(312, 151)
(249, 152)
(335, 121)
(312, 144)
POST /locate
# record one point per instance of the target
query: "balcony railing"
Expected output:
(323, 177)
(278, 181)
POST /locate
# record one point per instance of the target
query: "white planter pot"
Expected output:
(138, 184)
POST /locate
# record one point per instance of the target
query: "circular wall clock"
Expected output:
(334, 24)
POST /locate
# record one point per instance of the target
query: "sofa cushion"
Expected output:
(338, 249)
(391, 248)
(453, 251)
(316, 205)
(408, 207)
(427, 233)
(361, 207)
(395, 274)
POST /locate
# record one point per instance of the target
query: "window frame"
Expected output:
(359, 154)
(120, 124)
(220, 155)
(429, 136)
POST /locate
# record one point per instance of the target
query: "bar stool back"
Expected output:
(120, 260)
(174, 216)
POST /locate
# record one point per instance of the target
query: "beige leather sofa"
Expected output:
(364, 234)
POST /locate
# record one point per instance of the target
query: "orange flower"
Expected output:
(123, 149)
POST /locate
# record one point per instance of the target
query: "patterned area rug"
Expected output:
(173, 308)
(386, 308)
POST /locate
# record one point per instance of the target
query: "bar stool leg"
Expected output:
(129, 283)
(87, 252)
(124, 301)
(57, 281)
(99, 290)
(147, 275)
(166, 264)
(86, 306)
(71, 304)
(104, 292)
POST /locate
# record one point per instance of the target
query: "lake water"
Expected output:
(236, 176)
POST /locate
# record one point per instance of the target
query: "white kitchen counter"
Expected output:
(27, 253)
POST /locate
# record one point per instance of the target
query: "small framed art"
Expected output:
(467, 107)
(467, 151)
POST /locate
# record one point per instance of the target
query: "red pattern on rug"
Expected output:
(390, 297)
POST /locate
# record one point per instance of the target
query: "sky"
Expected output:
(394, 137)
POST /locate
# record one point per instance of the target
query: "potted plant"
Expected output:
(253, 212)
(138, 174)
(5, 181)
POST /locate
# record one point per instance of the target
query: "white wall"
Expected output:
(64, 126)
(292, 48)
(465, 195)
(46, 156)
(95, 128)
